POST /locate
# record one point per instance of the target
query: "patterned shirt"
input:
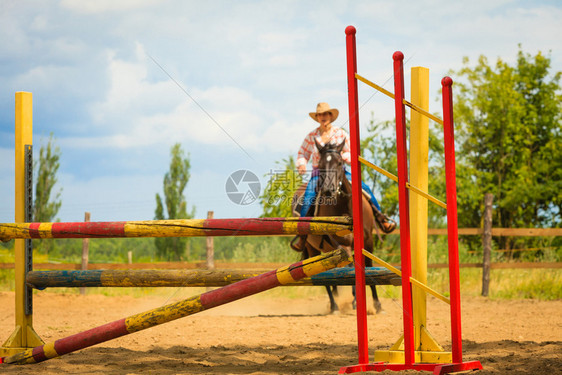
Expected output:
(308, 150)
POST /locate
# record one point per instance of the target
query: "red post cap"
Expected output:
(447, 81)
(350, 30)
(398, 56)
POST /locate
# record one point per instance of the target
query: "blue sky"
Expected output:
(100, 70)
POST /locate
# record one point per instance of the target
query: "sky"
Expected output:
(118, 83)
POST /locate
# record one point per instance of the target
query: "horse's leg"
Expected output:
(377, 303)
(369, 263)
(354, 302)
(368, 222)
(333, 305)
(310, 252)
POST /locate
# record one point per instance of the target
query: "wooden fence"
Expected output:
(250, 266)
(498, 232)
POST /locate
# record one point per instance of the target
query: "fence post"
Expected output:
(487, 243)
(85, 251)
(210, 247)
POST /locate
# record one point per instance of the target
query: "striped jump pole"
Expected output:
(170, 312)
(179, 228)
(194, 278)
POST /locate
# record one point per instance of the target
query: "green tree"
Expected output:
(378, 146)
(174, 204)
(278, 194)
(508, 122)
(46, 204)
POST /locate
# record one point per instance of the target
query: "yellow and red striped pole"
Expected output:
(182, 308)
(179, 228)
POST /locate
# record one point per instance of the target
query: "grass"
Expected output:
(535, 284)
(541, 284)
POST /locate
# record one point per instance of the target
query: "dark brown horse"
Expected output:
(334, 199)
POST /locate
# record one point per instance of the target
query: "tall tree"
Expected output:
(508, 121)
(174, 205)
(46, 204)
(278, 194)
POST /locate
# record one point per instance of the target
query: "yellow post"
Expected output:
(23, 336)
(419, 150)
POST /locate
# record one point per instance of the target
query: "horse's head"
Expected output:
(330, 166)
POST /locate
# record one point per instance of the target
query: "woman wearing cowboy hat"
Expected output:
(327, 133)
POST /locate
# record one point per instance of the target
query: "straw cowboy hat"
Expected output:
(322, 108)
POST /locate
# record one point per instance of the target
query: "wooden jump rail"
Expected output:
(180, 309)
(178, 228)
(193, 278)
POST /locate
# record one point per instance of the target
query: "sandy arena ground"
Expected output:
(268, 334)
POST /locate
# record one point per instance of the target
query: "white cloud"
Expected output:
(282, 136)
(105, 6)
(109, 198)
(139, 113)
(256, 68)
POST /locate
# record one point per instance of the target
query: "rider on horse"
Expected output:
(323, 134)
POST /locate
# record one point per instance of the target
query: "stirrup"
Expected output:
(386, 224)
(301, 241)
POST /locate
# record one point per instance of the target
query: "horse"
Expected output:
(334, 199)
